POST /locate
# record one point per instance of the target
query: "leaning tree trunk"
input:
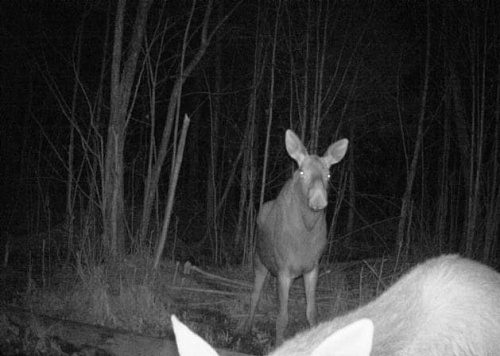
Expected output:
(184, 72)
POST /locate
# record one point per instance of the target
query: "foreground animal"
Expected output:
(291, 233)
(446, 306)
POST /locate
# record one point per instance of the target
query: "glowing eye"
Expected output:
(301, 172)
(328, 176)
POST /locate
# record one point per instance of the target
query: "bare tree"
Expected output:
(406, 206)
(185, 69)
(122, 81)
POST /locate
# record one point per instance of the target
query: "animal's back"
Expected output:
(447, 306)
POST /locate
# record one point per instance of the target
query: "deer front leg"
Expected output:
(260, 276)
(284, 282)
(310, 282)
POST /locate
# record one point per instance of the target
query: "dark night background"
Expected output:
(414, 86)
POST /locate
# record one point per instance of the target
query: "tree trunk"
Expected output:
(171, 192)
(443, 204)
(406, 206)
(213, 168)
(245, 224)
(270, 110)
(121, 86)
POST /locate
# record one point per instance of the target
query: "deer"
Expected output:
(445, 306)
(291, 230)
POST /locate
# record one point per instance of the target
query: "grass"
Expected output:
(214, 303)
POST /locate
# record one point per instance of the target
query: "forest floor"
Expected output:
(212, 301)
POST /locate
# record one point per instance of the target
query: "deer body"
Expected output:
(292, 230)
(446, 306)
(278, 249)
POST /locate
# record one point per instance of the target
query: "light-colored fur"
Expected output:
(446, 306)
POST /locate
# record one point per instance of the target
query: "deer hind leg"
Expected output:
(284, 283)
(310, 282)
(260, 277)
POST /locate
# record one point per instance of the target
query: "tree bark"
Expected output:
(121, 87)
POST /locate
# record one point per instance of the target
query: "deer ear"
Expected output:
(188, 343)
(335, 152)
(295, 147)
(353, 340)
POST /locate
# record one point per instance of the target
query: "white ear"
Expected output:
(353, 340)
(188, 343)
(295, 147)
(335, 152)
